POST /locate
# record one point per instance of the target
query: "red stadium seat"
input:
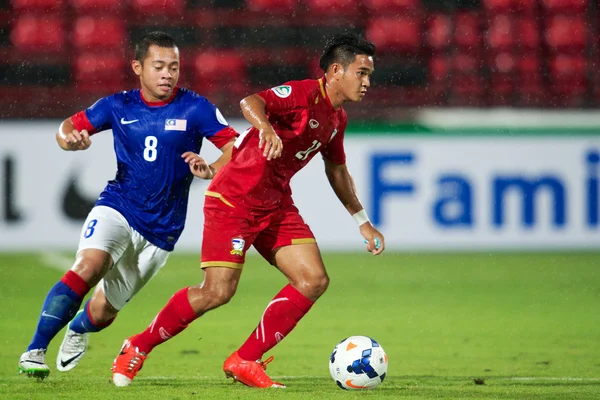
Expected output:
(332, 7)
(500, 35)
(395, 34)
(527, 34)
(568, 73)
(391, 7)
(509, 6)
(565, 6)
(439, 32)
(568, 80)
(38, 5)
(219, 72)
(39, 34)
(272, 5)
(97, 6)
(467, 33)
(467, 91)
(566, 34)
(99, 72)
(172, 8)
(529, 87)
(502, 79)
(99, 32)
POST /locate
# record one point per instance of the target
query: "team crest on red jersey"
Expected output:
(237, 246)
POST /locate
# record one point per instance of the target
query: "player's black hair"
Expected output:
(158, 38)
(343, 48)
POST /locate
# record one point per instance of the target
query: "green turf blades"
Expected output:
(40, 374)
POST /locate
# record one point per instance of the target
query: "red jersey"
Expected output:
(307, 124)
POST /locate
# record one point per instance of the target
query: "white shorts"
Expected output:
(135, 260)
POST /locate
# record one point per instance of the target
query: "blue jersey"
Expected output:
(152, 183)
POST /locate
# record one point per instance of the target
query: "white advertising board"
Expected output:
(424, 193)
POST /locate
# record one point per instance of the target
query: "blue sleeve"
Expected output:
(210, 119)
(100, 114)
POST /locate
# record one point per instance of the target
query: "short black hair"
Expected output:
(343, 48)
(158, 38)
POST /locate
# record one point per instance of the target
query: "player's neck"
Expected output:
(150, 99)
(335, 96)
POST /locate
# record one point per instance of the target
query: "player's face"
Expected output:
(355, 79)
(159, 72)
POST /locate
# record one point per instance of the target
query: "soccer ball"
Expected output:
(358, 362)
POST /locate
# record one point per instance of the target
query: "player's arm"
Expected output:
(254, 110)
(70, 138)
(201, 169)
(343, 185)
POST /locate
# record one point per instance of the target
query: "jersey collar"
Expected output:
(159, 103)
(324, 92)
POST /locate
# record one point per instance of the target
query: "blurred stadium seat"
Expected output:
(99, 72)
(521, 53)
(566, 34)
(97, 6)
(392, 7)
(158, 8)
(38, 5)
(439, 32)
(333, 7)
(32, 33)
(272, 5)
(565, 6)
(395, 34)
(99, 32)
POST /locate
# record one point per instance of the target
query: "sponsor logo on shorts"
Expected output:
(237, 246)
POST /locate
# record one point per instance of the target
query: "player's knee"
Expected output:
(314, 286)
(219, 295)
(91, 265)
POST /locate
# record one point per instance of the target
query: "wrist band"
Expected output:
(361, 217)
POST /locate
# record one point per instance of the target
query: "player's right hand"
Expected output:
(77, 140)
(271, 142)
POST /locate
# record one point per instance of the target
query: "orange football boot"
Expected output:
(250, 373)
(127, 364)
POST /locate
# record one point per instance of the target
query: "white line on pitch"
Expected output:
(56, 261)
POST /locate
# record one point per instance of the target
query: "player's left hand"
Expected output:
(198, 166)
(374, 239)
(271, 142)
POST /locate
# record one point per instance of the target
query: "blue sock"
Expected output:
(83, 324)
(60, 306)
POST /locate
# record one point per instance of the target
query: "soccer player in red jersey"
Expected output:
(249, 203)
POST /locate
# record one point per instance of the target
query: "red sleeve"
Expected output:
(81, 122)
(286, 97)
(334, 151)
(223, 137)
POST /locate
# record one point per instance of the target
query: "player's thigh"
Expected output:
(137, 266)
(104, 238)
(285, 227)
(290, 245)
(228, 234)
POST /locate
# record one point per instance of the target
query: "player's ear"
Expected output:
(137, 67)
(336, 70)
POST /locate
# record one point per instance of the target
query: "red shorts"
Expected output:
(229, 232)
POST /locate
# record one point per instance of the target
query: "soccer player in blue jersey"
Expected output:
(128, 235)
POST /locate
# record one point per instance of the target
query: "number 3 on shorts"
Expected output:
(90, 228)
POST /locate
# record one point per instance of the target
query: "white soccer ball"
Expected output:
(358, 362)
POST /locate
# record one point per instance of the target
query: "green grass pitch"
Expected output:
(454, 326)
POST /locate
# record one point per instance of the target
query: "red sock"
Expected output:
(172, 319)
(280, 317)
